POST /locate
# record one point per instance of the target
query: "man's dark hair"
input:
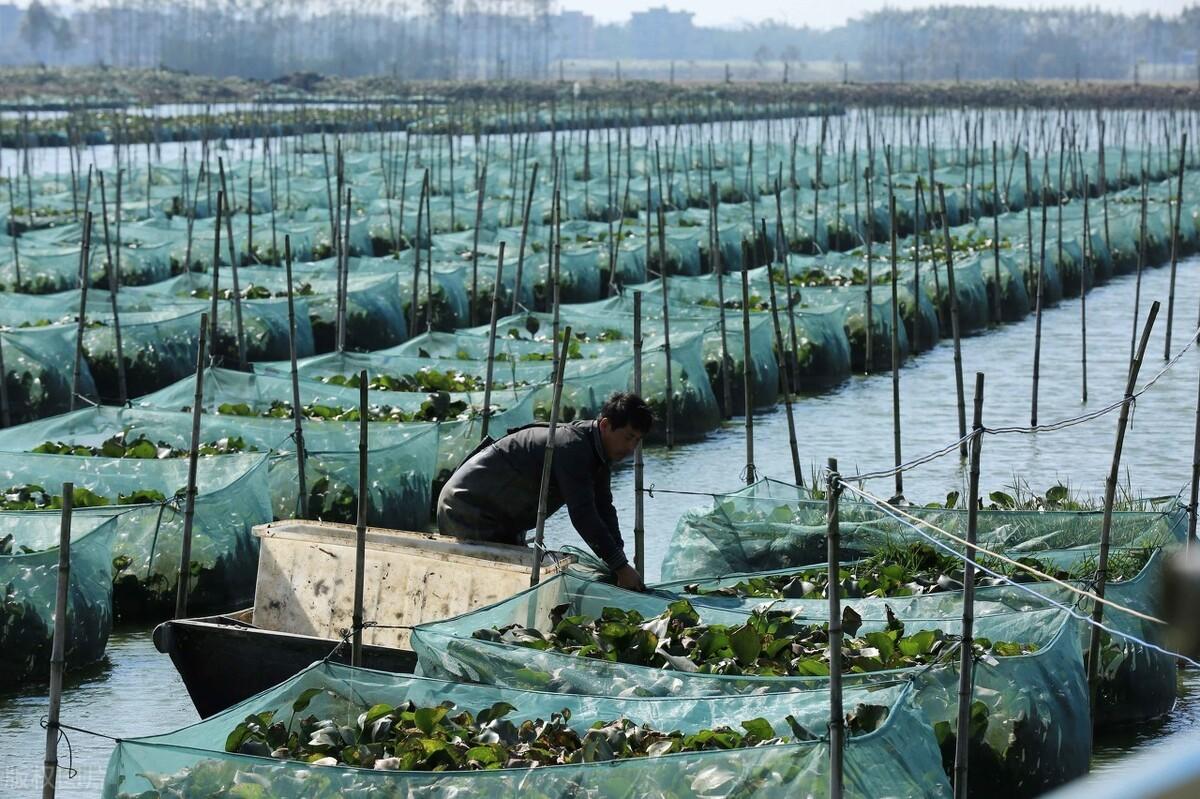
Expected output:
(626, 408)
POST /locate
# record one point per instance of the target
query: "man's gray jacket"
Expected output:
(493, 495)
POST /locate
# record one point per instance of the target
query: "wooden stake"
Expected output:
(1037, 326)
(297, 415)
(189, 508)
(747, 380)
(360, 531)
(718, 269)
(84, 258)
(12, 203)
(216, 264)
(480, 190)
(639, 466)
(966, 665)
(491, 356)
(997, 313)
(895, 347)
(1141, 261)
(524, 236)
(344, 278)
(787, 366)
(548, 461)
(954, 326)
(1083, 287)
(837, 724)
(666, 307)
(416, 284)
(1110, 492)
(5, 416)
(234, 258)
(58, 645)
(113, 282)
(1175, 244)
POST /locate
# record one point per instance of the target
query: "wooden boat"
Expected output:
(303, 605)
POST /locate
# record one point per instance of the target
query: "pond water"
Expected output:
(136, 692)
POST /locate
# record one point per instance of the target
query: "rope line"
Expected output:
(1043, 598)
(896, 513)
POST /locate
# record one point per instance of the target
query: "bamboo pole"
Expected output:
(216, 270)
(747, 380)
(84, 257)
(998, 313)
(1083, 287)
(360, 530)
(344, 278)
(5, 414)
(1110, 492)
(480, 190)
(1141, 262)
(189, 508)
(787, 368)
(1037, 325)
(12, 203)
(726, 376)
(914, 337)
(297, 414)
(113, 280)
(1195, 487)
(524, 236)
(239, 330)
(837, 724)
(1175, 244)
(58, 645)
(639, 464)
(895, 347)
(416, 284)
(954, 326)
(491, 356)
(666, 307)
(784, 250)
(966, 665)
(547, 463)
(869, 355)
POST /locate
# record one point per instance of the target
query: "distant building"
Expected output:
(573, 34)
(660, 32)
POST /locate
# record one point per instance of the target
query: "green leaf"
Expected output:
(919, 643)
(883, 642)
(1002, 500)
(760, 728)
(427, 718)
(746, 644)
(301, 703)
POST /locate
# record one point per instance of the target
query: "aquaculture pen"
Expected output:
(837, 724)
(297, 416)
(360, 531)
(966, 664)
(189, 508)
(491, 351)
(639, 465)
(1110, 491)
(112, 271)
(547, 463)
(84, 257)
(954, 326)
(1175, 222)
(58, 645)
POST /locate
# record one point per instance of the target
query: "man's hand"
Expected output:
(629, 579)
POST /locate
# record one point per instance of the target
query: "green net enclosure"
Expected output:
(1031, 728)
(146, 498)
(401, 465)
(29, 581)
(38, 372)
(898, 758)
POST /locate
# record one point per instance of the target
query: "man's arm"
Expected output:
(593, 516)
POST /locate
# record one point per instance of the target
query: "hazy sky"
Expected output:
(828, 14)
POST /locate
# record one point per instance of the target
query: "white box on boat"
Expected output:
(306, 578)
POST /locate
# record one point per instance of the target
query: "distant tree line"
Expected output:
(490, 39)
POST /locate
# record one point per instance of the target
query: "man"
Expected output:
(493, 496)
